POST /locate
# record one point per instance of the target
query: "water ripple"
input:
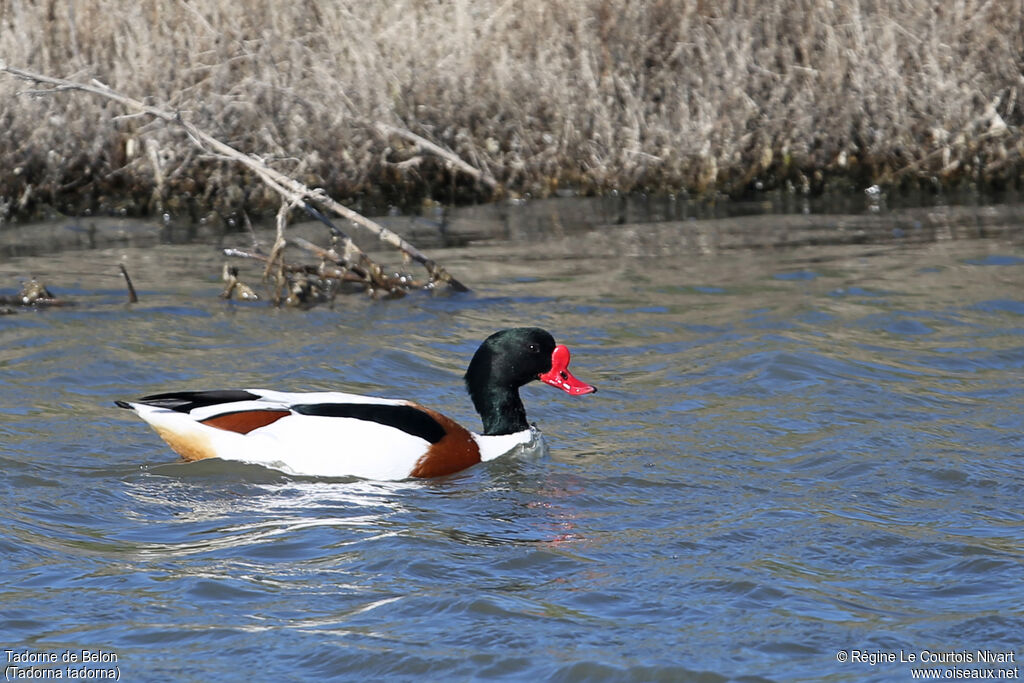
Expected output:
(786, 459)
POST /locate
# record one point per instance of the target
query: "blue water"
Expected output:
(797, 461)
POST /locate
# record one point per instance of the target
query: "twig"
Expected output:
(252, 233)
(354, 273)
(349, 274)
(133, 298)
(277, 251)
(289, 188)
(428, 146)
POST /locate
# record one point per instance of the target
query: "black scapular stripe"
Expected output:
(186, 401)
(410, 420)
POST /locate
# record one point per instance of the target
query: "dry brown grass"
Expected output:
(664, 95)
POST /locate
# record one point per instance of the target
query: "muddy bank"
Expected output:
(610, 226)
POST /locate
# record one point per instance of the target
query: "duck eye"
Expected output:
(533, 348)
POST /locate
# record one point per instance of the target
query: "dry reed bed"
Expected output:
(590, 95)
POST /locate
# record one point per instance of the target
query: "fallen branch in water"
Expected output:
(293, 192)
(305, 285)
(33, 294)
(133, 298)
(235, 287)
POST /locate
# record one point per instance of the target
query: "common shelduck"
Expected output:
(334, 434)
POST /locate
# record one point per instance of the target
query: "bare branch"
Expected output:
(290, 189)
(133, 298)
(431, 148)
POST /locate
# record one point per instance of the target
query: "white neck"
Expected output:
(492, 447)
